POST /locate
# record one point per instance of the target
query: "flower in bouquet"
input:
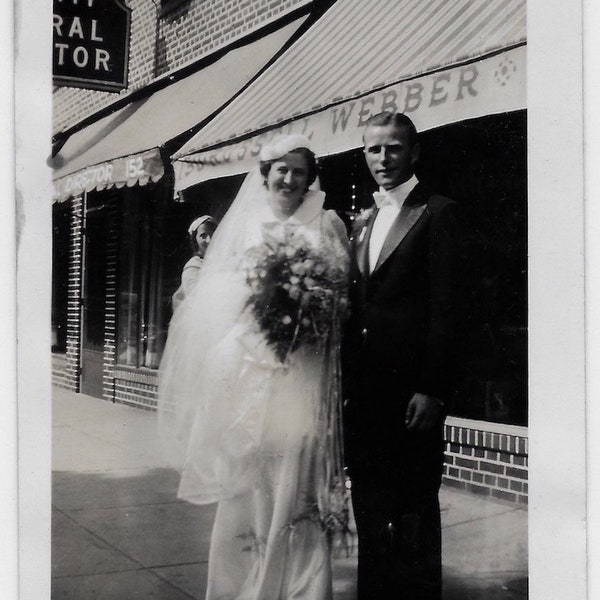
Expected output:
(296, 293)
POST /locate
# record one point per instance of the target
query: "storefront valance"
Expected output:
(128, 171)
(124, 148)
(437, 61)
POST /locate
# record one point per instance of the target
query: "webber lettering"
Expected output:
(437, 91)
(407, 97)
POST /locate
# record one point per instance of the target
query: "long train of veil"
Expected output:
(192, 383)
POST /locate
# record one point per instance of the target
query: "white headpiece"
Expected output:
(197, 222)
(284, 144)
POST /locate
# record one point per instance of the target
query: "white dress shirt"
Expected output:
(389, 203)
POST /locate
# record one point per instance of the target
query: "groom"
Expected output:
(398, 353)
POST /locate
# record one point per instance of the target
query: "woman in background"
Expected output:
(200, 233)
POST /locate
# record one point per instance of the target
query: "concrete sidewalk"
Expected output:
(118, 532)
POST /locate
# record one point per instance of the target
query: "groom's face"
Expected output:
(389, 154)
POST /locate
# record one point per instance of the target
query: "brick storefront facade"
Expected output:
(164, 41)
(167, 36)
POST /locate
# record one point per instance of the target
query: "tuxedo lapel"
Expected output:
(411, 211)
(362, 245)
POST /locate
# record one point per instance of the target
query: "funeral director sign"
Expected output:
(91, 44)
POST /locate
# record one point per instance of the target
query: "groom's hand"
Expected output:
(423, 412)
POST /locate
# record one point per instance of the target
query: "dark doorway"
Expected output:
(94, 298)
(61, 221)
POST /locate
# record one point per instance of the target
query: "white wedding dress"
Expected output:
(261, 439)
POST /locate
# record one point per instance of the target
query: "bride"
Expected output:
(249, 384)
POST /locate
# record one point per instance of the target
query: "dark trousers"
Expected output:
(399, 546)
(396, 476)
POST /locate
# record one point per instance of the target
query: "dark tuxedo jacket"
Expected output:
(401, 337)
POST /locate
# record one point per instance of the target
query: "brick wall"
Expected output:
(70, 377)
(59, 375)
(110, 303)
(194, 29)
(487, 458)
(136, 387)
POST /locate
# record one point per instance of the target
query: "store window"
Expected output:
(153, 249)
(482, 164)
(168, 7)
(140, 315)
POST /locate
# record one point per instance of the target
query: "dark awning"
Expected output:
(124, 147)
(438, 61)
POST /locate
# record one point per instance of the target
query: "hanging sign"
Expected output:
(91, 44)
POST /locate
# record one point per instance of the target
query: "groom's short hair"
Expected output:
(399, 120)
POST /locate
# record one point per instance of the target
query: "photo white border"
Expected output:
(33, 114)
(557, 514)
(557, 463)
(8, 350)
(591, 116)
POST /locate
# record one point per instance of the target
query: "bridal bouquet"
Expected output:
(297, 292)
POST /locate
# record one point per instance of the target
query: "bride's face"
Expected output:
(287, 182)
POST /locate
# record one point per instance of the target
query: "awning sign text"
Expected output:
(491, 85)
(127, 171)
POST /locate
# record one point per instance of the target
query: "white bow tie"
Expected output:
(383, 199)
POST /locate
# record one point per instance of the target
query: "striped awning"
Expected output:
(123, 148)
(440, 61)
